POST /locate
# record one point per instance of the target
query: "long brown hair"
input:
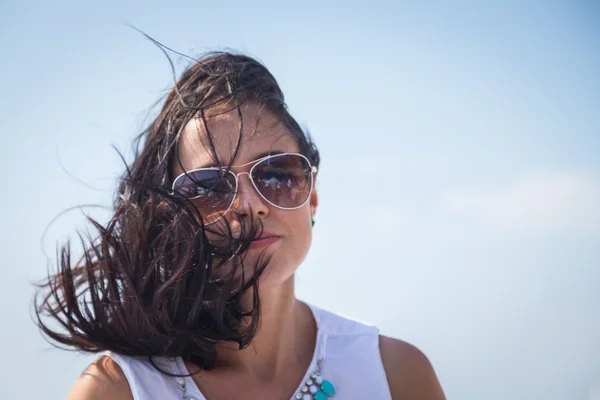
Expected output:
(145, 285)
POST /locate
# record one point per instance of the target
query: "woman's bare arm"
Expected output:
(409, 372)
(102, 380)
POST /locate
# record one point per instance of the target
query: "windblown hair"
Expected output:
(146, 283)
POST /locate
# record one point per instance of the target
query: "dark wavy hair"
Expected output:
(145, 284)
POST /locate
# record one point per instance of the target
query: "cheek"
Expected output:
(298, 226)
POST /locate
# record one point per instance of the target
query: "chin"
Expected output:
(277, 273)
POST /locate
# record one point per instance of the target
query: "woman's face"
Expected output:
(263, 134)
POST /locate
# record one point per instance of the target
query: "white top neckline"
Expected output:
(350, 349)
(318, 353)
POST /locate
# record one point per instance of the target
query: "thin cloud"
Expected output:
(540, 200)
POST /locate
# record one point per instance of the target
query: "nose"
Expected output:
(248, 202)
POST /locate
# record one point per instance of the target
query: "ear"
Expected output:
(314, 203)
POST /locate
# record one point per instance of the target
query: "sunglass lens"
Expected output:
(211, 191)
(284, 180)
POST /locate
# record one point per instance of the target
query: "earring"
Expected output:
(313, 222)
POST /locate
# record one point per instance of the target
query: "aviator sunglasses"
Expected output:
(284, 180)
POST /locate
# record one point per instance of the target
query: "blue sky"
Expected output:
(459, 189)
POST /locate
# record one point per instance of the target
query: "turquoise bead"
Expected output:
(327, 387)
(320, 396)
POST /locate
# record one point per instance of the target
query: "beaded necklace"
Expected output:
(315, 387)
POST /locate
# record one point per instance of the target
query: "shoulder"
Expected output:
(102, 380)
(409, 372)
(334, 323)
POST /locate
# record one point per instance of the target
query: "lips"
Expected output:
(265, 235)
(263, 240)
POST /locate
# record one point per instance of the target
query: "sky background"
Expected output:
(459, 188)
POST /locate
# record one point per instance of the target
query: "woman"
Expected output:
(189, 289)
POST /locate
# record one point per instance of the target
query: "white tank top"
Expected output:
(349, 349)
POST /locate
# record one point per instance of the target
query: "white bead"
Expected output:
(313, 389)
(299, 396)
(313, 375)
(319, 380)
(307, 397)
(309, 382)
(304, 389)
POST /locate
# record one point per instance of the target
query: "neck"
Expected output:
(285, 337)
